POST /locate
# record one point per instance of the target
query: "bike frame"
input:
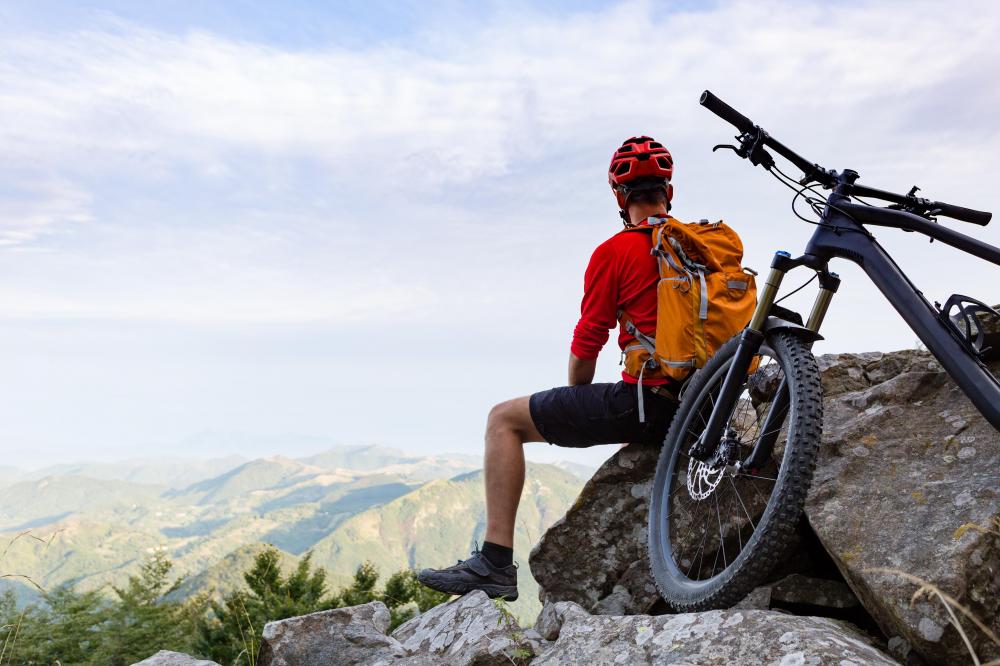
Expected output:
(842, 235)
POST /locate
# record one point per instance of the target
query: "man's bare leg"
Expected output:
(508, 427)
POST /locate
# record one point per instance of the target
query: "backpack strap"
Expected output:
(649, 344)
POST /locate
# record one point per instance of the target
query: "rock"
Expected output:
(758, 599)
(804, 590)
(467, 630)
(596, 554)
(168, 658)
(990, 324)
(354, 635)
(730, 638)
(907, 481)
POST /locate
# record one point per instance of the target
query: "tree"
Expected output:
(141, 621)
(362, 590)
(74, 627)
(232, 631)
(405, 596)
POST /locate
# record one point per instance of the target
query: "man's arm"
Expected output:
(581, 371)
(598, 314)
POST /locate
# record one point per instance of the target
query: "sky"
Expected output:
(265, 228)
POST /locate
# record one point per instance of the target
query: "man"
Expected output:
(621, 277)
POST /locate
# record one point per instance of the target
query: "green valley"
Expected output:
(347, 506)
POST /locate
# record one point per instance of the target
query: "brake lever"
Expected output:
(726, 145)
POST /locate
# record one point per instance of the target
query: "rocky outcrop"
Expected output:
(168, 658)
(709, 638)
(907, 480)
(355, 635)
(468, 630)
(596, 554)
(465, 631)
(908, 485)
(472, 630)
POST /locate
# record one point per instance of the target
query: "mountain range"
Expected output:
(91, 524)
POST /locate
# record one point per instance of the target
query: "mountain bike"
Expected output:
(738, 459)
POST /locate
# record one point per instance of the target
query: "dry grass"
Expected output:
(10, 640)
(931, 591)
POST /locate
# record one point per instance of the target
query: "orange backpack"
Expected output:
(703, 298)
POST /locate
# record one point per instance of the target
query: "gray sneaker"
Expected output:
(475, 573)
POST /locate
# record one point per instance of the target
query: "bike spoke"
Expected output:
(697, 552)
(740, 499)
(754, 476)
(722, 536)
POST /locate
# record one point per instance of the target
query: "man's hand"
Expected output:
(581, 371)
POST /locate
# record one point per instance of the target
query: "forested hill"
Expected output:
(92, 524)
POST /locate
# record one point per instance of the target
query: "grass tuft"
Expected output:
(930, 591)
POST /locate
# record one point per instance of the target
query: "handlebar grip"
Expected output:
(980, 217)
(726, 112)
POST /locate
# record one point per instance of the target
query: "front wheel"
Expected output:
(717, 529)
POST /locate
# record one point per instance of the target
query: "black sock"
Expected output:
(499, 556)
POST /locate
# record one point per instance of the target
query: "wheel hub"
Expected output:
(704, 477)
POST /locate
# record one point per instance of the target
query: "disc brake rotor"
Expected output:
(702, 479)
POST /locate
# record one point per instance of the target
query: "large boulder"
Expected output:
(468, 630)
(908, 485)
(595, 555)
(354, 635)
(465, 631)
(730, 638)
(168, 658)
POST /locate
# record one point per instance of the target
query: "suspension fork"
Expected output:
(771, 428)
(751, 340)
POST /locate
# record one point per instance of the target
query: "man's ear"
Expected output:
(621, 198)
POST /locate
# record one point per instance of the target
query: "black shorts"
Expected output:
(591, 414)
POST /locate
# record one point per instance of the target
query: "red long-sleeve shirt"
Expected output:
(622, 275)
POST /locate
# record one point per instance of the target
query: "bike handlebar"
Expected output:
(980, 217)
(726, 112)
(815, 172)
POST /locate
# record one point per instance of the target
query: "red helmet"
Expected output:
(640, 157)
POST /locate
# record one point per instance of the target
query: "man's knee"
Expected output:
(501, 416)
(511, 416)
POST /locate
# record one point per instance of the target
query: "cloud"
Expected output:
(416, 210)
(510, 91)
(34, 206)
(412, 164)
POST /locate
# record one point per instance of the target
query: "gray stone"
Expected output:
(354, 635)
(799, 589)
(595, 555)
(168, 658)
(758, 599)
(730, 638)
(553, 615)
(467, 630)
(907, 480)
(990, 331)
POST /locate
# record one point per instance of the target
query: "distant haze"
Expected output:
(253, 229)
